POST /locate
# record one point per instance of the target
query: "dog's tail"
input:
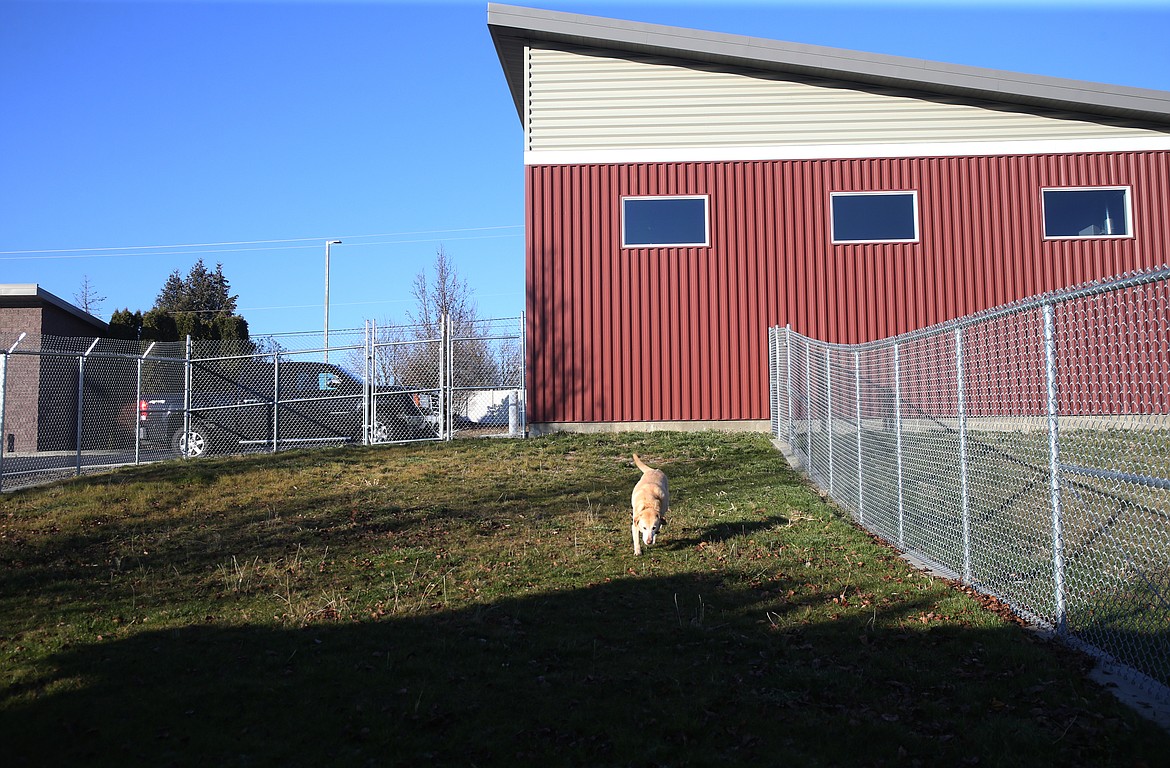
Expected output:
(642, 466)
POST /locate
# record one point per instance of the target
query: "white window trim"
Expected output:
(713, 154)
(1128, 213)
(872, 193)
(706, 221)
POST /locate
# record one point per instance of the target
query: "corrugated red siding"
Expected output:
(680, 333)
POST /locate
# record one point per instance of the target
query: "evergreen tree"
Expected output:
(158, 325)
(200, 306)
(125, 324)
(230, 327)
(171, 297)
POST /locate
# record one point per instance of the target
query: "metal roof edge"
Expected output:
(515, 25)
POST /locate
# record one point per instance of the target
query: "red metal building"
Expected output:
(686, 190)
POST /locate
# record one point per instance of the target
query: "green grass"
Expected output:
(478, 603)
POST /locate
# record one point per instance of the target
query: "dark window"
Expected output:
(1100, 212)
(875, 217)
(651, 221)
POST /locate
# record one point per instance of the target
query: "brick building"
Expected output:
(33, 406)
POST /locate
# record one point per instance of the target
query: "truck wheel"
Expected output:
(196, 442)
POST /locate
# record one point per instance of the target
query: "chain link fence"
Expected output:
(70, 406)
(485, 382)
(1024, 451)
(466, 378)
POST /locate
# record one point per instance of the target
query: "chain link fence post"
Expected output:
(773, 392)
(184, 444)
(447, 382)
(964, 479)
(81, 399)
(444, 378)
(276, 399)
(3, 401)
(516, 422)
(1054, 483)
(860, 462)
(808, 407)
(3, 390)
(523, 360)
(138, 410)
(788, 385)
(369, 331)
(898, 446)
(829, 414)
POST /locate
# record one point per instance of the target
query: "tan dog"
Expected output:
(651, 500)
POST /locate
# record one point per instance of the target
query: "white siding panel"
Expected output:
(578, 101)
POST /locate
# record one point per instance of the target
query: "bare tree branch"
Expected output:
(87, 298)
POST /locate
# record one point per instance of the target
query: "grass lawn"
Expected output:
(479, 603)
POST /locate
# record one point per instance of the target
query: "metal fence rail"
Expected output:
(1025, 451)
(69, 406)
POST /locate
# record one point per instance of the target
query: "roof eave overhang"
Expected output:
(513, 27)
(32, 295)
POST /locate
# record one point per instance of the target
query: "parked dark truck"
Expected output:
(231, 409)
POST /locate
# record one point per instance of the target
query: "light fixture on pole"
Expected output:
(327, 244)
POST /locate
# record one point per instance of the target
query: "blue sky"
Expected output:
(139, 136)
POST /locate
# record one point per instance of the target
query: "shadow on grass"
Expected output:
(721, 532)
(682, 670)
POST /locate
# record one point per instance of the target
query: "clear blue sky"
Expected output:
(131, 131)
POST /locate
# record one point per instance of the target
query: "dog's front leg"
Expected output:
(634, 533)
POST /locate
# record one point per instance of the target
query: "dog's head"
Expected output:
(648, 521)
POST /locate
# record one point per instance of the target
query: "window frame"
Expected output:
(916, 214)
(706, 221)
(1127, 189)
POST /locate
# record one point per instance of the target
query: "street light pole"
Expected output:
(327, 244)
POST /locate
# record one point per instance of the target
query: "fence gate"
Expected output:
(404, 376)
(458, 379)
(485, 378)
